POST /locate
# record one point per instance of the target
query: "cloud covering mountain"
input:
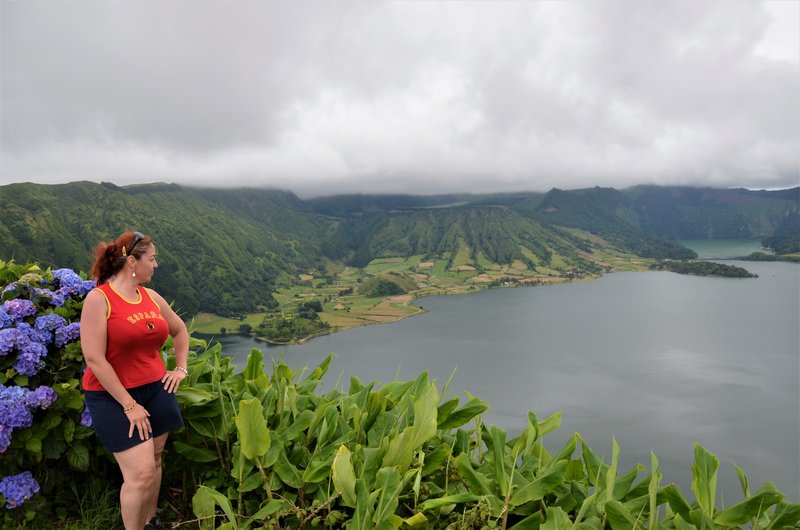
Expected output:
(404, 97)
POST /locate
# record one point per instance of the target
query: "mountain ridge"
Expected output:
(226, 250)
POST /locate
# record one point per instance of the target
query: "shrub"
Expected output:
(45, 439)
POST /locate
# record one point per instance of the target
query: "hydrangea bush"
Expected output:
(45, 440)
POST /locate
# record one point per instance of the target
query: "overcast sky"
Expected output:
(410, 96)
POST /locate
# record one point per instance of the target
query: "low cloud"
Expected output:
(401, 97)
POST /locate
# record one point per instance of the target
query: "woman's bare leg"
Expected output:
(138, 475)
(158, 450)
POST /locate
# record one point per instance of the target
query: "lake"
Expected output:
(657, 360)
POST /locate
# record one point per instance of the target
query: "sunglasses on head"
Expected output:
(137, 236)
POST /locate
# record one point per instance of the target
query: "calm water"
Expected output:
(657, 360)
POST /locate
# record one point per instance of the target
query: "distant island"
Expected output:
(763, 256)
(702, 268)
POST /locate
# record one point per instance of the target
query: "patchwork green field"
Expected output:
(345, 304)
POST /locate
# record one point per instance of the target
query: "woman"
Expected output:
(129, 393)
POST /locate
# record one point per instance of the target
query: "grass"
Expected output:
(98, 510)
(212, 324)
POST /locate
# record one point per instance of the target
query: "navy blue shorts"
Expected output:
(112, 425)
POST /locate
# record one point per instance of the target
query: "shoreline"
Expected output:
(412, 297)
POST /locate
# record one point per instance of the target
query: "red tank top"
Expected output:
(136, 333)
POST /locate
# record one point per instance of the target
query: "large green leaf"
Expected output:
(255, 365)
(298, 426)
(206, 496)
(750, 509)
(557, 519)
(388, 484)
(676, 501)
(498, 437)
(203, 508)
(188, 396)
(541, 486)
(195, 454)
(457, 418)
(652, 488)
(252, 429)
(704, 481)
(786, 515)
(618, 516)
(477, 482)
(401, 448)
(287, 472)
(432, 504)
(344, 478)
(611, 474)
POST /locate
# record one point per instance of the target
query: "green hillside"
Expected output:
(227, 251)
(498, 233)
(220, 251)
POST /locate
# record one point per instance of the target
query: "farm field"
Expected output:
(345, 305)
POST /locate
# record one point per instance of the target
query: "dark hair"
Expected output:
(109, 258)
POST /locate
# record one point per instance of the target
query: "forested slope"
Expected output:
(224, 251)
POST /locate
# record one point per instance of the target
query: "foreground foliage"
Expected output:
(271, 451)
(45, 439)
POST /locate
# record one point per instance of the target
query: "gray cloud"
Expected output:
(418, 97)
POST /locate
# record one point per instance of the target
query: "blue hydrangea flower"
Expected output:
(57, 298)
(68, 333)
(5, 437)
(34, 333)
(18, 488)
(50, 322)
(42, 397)
(87, 286)
(20, 308)
(12, 339)
(12, 392)
(14, 409)
(67, 277)
(29, 358)
(86, 417)
(47, 294)
(6, 320)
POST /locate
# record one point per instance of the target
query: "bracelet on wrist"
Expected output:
(182, 369)
(129, 408)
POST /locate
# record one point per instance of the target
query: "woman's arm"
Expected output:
(180, 342)
(93, 343)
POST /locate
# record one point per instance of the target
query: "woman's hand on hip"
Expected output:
(172, 380)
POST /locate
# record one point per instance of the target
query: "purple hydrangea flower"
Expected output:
(68, 333)
(29, 358)
(20, 308)
(87, 286)
(57, 298)
(5, 437)
(42, 397)
(18, 488)
(14, 409)
(86, 417)
(34, 333)
(6, 320)
(10, 287)
(67, 278)
(11, 339)
(50, 322)
(44, 293)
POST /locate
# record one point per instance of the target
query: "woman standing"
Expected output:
(129, 393)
